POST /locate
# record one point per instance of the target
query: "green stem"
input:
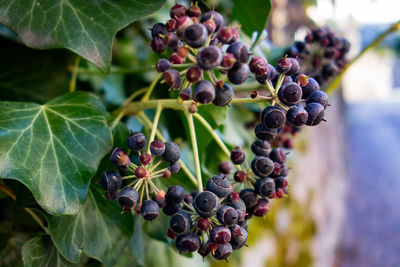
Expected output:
(72, 82)
(189, 117)
(335, 83)
(185, 65)
(279, 83)
(155, 124)
(151, 87)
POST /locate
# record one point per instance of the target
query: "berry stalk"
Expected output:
(155, 124)
(195, 151)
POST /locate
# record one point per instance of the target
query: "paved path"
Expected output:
(371, 230)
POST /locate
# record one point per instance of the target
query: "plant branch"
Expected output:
(155, 124)
(72, 82)
(189, 117)
(151, 87)
(335, 83)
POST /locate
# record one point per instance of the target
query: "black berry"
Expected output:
(163, 65)
(220, 235)
(262, 166)
(261, 148)
(278, 155)
(315, 113)
(188, 243)
(149, 210)
(127, 198)
(111, 181)
(239, 241)
(265, 187)
(237, 156)
(273, 117)
(175, 194)
(227, 215)
(204, 92)
(263, 133)
(290, 93)
(223, 252)
(297, 116)
(223, 95)
(157, 148)
(181, 223)
(249, 197)
(173, 79)
(319, 97)
(172, 152)
(174, 167)
(238, 74)
(209, 57)
(216, 17)
(240, 51)
(206, 204)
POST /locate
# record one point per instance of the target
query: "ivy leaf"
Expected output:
(54, 149)
(251, 14)
(40, 251)
(85, 27)
(98, 231)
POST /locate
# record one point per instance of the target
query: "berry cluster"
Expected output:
(143, 168)
(322, 52)
(200, 39)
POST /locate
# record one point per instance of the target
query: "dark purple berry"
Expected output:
(172, 152)
(262, 166)
(136, 141)
(194, 11)
(161, 202)
(172, 41)
(204, 92)
(239, 241)
(240, 51)
(158, 28)
(170, 25)
(206, 204)
(120, 158)
(111, 181)
(181, 25)
(236, 203)
(209, 57)
(188, 243)
(278, 155)
(203, 224)
(223, 95)
(149, 210)
(188, 199)
(194, 74)
(171, 208)
(225, 167)
(319, 97)
(174, 167)
(216, 17)
(265, 187)
(173, 79)
(177, 11)
(273, 117)
(263, 133)
(163, 65)
(262, 207)
(239, 176)
(186, 93)
(210, 26)
(239, 73)
(175, 59)
(140, 172)
(228, 61)
(225, 35)
(145, 158)
(127, 198)
(157, 148)
(283, 65)
(294, 68)
(220, 235)
(227, 215)
(258, 66)
(195, 35)
(219, 185)
(297, 116)
(290, 93)
(249, 197)
(166, 174)
(237, 156)
(261, 148)
(181, 223)
(223, 252)
(175, 194)
(157, 44)
(315, 113)
(329, 70)
(310, 87)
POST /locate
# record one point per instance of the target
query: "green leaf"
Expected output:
(137, 242)
(40, 251)
(85, 27)
(251, 14)
(32, 75)
(99, 231)
(54, 149)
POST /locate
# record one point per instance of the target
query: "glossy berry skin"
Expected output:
(278, 155)
(175, 194)
(145, 158)
(237, 204)
(225, 35)
(203, 224)
(219, 185)
(315, 113)
(174, 167)
(227, 215)
(249, 197)
(265, 187)
(163, 65)
(239, 176)
(228, 61)
(209, 57)
(194, 11)
(273, 117)
(181, 25)
(206, 204)
(176, 59)
(238, 242)
(158, 28)
(262, 166)
(120, 158)
(319, 97)
(194, 74)
(172, 152)
(173, 79)
(263, 133)
(186, 93)
(177, 11)
(171, 208)
(140, 172)
(220, 235)
(294, 68)
(157, 148)
(149, 210)
(283, 65)
(216, 17)
(238, 156)
(210, 26)
(225, 167)
(297, 116)
(261, 148)
(136, 141)
(157, 44)
(310, 87)
(195, 35)
(127, 198)
(204, 92)
(290, 93)
(258, 66)
(223, 252)
(170, 25)
(188, 243)
(161, 202)
(172, 41)
(239, 73)
(111, 181)
(181, 223)
(240, 51)
(262, 207)
(223, 95)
